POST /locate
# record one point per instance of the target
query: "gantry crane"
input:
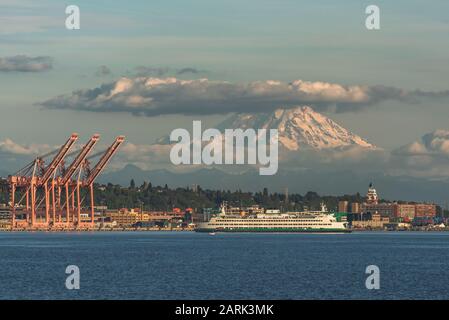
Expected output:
(91, 175)
(34, 176)
(43, 181)
(50, 172)
(64, 180)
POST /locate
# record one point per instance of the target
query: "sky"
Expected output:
(237, 42)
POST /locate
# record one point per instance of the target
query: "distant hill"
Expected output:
(322, 182)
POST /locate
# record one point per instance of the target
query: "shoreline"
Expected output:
(21, 230)
(94, 230)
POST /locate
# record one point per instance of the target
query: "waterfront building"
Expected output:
(425, 210)
(125, 217)
(404, 211)
(407, 211)
(355, 207)
(343, 206)
(129, 217)
(376, 222)
(384, 209)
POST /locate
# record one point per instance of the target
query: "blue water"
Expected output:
(184, 265)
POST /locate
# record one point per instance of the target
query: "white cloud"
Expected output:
(156, 96)
(435, 143)
(13, 155)
(426, 157)
(8, 146)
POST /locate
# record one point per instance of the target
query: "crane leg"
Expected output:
(78, 200)
(92, 212)
(33, 204)
(13, 205)
(53, 204)
(67, 205)
(47, 204)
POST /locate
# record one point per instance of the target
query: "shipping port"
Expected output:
(48, 195)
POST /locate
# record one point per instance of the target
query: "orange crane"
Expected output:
(50, 172)
(88, 182)
(35, 175)
(34, 180)
(64, 180)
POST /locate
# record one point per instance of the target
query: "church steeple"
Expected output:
(371, 195)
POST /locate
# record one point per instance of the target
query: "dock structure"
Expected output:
(52, 196)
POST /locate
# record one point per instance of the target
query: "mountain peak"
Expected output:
(299, 128)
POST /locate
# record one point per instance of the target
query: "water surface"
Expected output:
(186, 265)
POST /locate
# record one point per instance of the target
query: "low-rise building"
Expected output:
(384, 209)
(425, 210)
(129, 217)
(124, 218)
(404, 211)
(376, 222)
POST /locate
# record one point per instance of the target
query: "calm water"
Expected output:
(178, 265)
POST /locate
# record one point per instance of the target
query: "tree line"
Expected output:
(163, 198)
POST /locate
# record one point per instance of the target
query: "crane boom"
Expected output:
(50, 169)
(104, 160)
(79, 159)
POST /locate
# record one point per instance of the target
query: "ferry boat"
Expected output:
(274, 221)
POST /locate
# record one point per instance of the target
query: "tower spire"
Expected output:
(372, 195)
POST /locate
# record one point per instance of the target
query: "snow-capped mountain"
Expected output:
(299, 128)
